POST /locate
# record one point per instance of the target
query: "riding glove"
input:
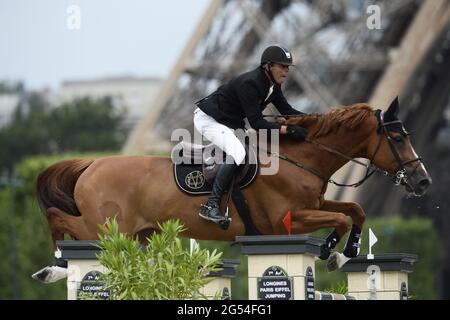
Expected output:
(296, 132)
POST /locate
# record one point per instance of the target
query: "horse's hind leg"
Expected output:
(59, 223)
(56, 272)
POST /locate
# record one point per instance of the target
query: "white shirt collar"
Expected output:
(270, 92)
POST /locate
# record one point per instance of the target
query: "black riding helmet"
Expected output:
(277, 54)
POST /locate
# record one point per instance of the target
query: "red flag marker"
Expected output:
(287, 222)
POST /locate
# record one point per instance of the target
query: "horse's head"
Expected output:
(390, 149)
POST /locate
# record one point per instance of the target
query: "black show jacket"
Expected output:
(244, 96)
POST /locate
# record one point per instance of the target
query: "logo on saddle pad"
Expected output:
(195, 179)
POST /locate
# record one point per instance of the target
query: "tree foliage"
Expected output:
(81, 125)
(29, 248)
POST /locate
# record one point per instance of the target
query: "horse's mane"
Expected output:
(350, 117)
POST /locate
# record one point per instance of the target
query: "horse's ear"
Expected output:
(392, 112)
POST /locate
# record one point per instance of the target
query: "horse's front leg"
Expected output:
(309, 220)
(351, 209)
(351, 250)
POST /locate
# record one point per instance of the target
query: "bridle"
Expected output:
(399, 177)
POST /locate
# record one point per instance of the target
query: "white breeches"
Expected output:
(220, 135)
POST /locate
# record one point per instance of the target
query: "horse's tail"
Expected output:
(56, 184)
(55, 194)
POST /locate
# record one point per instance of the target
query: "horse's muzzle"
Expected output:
(418, 184)
(423, 185)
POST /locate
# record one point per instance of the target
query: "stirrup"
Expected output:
(209, 218)
(223, 222)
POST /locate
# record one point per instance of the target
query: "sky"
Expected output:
(45, 42)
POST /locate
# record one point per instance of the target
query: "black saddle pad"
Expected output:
(190, 179)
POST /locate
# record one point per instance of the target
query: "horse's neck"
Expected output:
(347, 142)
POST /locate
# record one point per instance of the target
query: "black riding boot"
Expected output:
(210, 210)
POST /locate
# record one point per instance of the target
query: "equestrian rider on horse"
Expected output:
(245, 96)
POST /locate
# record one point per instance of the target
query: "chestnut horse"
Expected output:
(78, 195)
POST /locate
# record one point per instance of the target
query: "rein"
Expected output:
(398, 178)
(370, 168)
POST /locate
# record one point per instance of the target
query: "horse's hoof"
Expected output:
(333, 263)
(336, 261)
(50, 274)
(41, 275)
(224, 224)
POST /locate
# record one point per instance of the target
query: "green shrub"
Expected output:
(162, 270)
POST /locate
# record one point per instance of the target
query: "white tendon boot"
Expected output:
(50, 274)
(337, 259)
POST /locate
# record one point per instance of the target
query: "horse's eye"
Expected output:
(397, 139)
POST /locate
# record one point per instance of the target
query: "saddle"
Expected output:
(195, 167)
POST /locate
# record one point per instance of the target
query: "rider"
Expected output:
(225, 109)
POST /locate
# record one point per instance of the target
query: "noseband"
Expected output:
(400, 177)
